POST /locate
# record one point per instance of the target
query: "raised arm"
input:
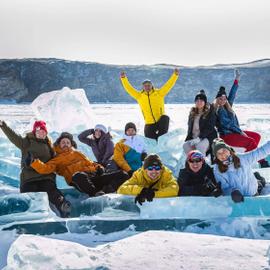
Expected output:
(15, 138)
(165, 89)
(234, 88)
(257, 154)
(83, 136)
(44, 168)
(128, 87)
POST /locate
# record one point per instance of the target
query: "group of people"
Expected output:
(126, 168)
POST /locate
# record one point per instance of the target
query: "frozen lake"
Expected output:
(111, 218)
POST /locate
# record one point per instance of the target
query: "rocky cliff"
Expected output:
(23, 80)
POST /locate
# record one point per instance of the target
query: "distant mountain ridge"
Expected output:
(22, 80)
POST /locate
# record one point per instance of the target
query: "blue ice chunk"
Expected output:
(25, 207)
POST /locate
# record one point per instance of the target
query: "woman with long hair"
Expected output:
(234, 170)
(227, 123)
(201, 125)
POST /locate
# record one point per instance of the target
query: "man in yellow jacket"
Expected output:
(151, 101)
(153, 180)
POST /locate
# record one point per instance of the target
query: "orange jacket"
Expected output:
(66, 164)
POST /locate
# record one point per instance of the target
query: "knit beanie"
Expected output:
(146, 81)
(152, 159)
(130, 125)
(201, 95)
(195, 154)
(219, 144)
(39, 125)
(66, 135)
(101, 127)
(221, 92)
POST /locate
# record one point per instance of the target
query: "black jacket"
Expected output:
(207, 124)
(201, 183)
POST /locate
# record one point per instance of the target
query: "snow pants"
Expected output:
(54, 194)
(202, 146)
(153, 131)
(90, 184)
(249, 142)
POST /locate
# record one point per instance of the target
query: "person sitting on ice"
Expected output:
(39, 145)
(234, 171)
(151, 101)
(152, 180)
(228, 125)
(100, 141)
(197, 178)
(79, 171)
(130, 151)
(201, 125)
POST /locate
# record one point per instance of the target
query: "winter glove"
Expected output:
(145, 194)
(208, 187)
(29, 159)
(130, 173)
(237, 196)
(237, 75)
(143, 156)
(100, 171)
(194, 141)
(217, 191)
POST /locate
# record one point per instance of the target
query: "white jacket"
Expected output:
(242, 179)
(135, 142)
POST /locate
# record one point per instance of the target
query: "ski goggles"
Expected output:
(195, 160)
(155, 167)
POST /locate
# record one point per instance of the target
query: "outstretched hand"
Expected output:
(237, 74)
(123, 74)
(176, 71)
(145, 194)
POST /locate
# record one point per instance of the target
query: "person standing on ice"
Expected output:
(152, 180)
(234, 171)
(197, 178)
(100, 140)
(227, 122)
(201, 125)
(38, 145)
(129, 152)
(79, 171)
(151, 101)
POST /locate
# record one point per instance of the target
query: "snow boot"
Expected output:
(65, 209)
(261, 182)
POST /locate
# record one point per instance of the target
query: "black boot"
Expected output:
(65, 209)
(264, 163)
(261, 181)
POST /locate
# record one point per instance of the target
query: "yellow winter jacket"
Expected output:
(153, 100)
(167, 185)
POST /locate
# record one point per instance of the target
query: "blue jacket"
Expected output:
(227, 121)
(242, 179)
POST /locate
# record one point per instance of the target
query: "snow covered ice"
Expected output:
(162, 250)
(113, 217)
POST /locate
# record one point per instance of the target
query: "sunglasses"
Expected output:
(195, 160)
(151, 168)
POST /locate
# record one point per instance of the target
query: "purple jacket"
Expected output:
(102, 148)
